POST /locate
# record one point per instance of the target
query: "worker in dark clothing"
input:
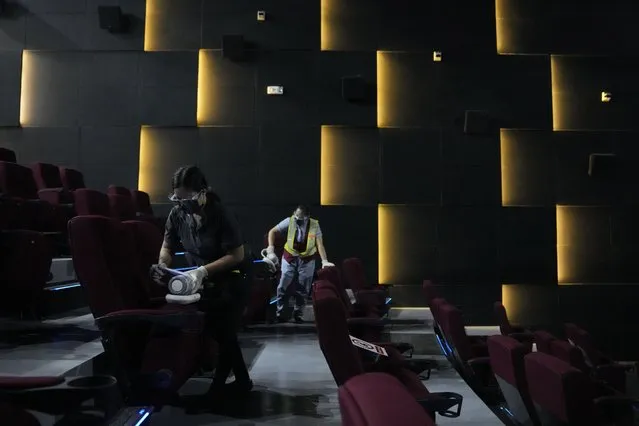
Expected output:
(213, 242)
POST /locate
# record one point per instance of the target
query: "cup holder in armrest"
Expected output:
(92, 382)
(446, 404)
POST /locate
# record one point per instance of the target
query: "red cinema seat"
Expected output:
(89, 202)
(378, 399)
(7, 155)
(72, 179)
(156, 348)
(121, 207)
(507, 329)
(119, 190)
(142, 202)
(355, 277)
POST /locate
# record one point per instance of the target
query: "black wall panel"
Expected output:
(10, 72)
(289, 24)
(285, 176)
(411, 170)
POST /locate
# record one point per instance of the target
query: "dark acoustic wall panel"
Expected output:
(110, 156)
(350, 232)
(411, 170)
(599, 27)
(168, 78)
(526, 178)
(533, 305)
(467, 245)
(68, 25)
(296, 72)
(10, 73)
(173, 25)
(226, 91)
(60, 146)
(350, 166)
(577, 85)
(528, 245)
(470, 169)
(290, 24)
(285, 176)
(454, 27)
(229, 158)
(421, 92)
(108, 90)
(331, 67)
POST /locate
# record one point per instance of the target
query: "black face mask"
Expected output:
(190, 206)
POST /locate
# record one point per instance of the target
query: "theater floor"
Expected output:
(293, 383)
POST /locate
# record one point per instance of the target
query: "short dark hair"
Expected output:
(189, 177)
(305, 209)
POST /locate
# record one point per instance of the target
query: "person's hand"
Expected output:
(157, 273)
(270, 250)
(327, 264)
(198, 275)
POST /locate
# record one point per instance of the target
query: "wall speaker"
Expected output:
(112, 19)
(477, 123)
(233, 47)
(354, 89)
(601, 165)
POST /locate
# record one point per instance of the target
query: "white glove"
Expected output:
(198, 275)
(270, 250)
(327, 264)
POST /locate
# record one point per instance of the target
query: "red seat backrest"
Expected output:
(142, 202)
(560, 390)
(17, 181)
(332, 330)
(454, 327)
(543, 339)
(332, 275)
(7, 155)
(121, 207)
(118, 190)
(91, 202)
(71, 179)
(46, 175)
(502, 319)
(354, 275)
(378, 399)
(149, 239)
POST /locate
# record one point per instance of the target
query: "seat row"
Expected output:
(338, 322)
(538, 379)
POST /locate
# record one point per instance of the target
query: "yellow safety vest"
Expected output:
(311, 247)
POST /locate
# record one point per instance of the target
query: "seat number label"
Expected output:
(363, 344)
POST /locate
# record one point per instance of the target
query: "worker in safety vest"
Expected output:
(303, 242)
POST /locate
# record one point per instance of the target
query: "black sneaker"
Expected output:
(298, 319)
(280, 320)
(236, 387)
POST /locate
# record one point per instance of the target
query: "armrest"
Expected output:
(370, 297)
(174, 319)
(480, 361)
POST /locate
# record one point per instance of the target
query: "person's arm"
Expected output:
(170, 239)
(232, 242)
(278, 229)
(320, 248)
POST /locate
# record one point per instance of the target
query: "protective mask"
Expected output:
(190, 206)
(300, 220)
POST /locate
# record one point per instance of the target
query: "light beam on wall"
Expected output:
(505, 152)
(26, 88)
(205, 105)
(146, 162)
(384, 244)
(508, 299)
(562, 244)
(382, 88)
(150, 25)
(327, 172)
(326, 25)
(556, 87)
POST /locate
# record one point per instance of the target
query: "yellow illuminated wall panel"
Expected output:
(147, 162)
(383, 87)
(556, 84)
(564, 266)
(151, 26)
(26, 88)
(327, 17)
(387, 253)
(205, 103)
(508, 174)
(503, 29)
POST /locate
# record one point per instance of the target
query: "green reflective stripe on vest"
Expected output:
(311, 247)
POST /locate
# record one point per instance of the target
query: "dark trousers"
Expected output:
(223, 305)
